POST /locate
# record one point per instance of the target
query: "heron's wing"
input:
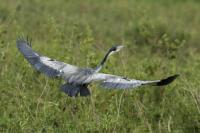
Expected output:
(46, 65)
(118, 82)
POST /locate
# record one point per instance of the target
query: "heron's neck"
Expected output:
(98, 68)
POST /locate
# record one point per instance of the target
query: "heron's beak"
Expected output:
(119, 48)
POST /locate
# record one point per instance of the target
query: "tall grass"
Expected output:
(161, 38)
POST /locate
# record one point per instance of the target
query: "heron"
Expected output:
(77, 79)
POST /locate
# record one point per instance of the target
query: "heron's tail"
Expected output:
(84, 91)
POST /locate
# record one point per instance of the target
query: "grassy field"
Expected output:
(162, 38)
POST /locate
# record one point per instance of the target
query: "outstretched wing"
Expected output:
(46, 65)
(118, 82)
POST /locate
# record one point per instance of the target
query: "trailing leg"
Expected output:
(70, 90)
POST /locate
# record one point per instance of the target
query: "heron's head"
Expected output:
(111, 51)
(116, 48)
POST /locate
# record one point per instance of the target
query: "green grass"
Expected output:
(161, 38)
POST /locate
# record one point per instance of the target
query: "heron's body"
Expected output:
(77, 79)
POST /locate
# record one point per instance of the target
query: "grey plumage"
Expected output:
(77, 79)
(124, 83)
(46, 65)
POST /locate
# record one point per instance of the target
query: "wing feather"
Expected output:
(46, 65)
(117, 82)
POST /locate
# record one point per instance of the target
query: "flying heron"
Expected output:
(77, 79)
